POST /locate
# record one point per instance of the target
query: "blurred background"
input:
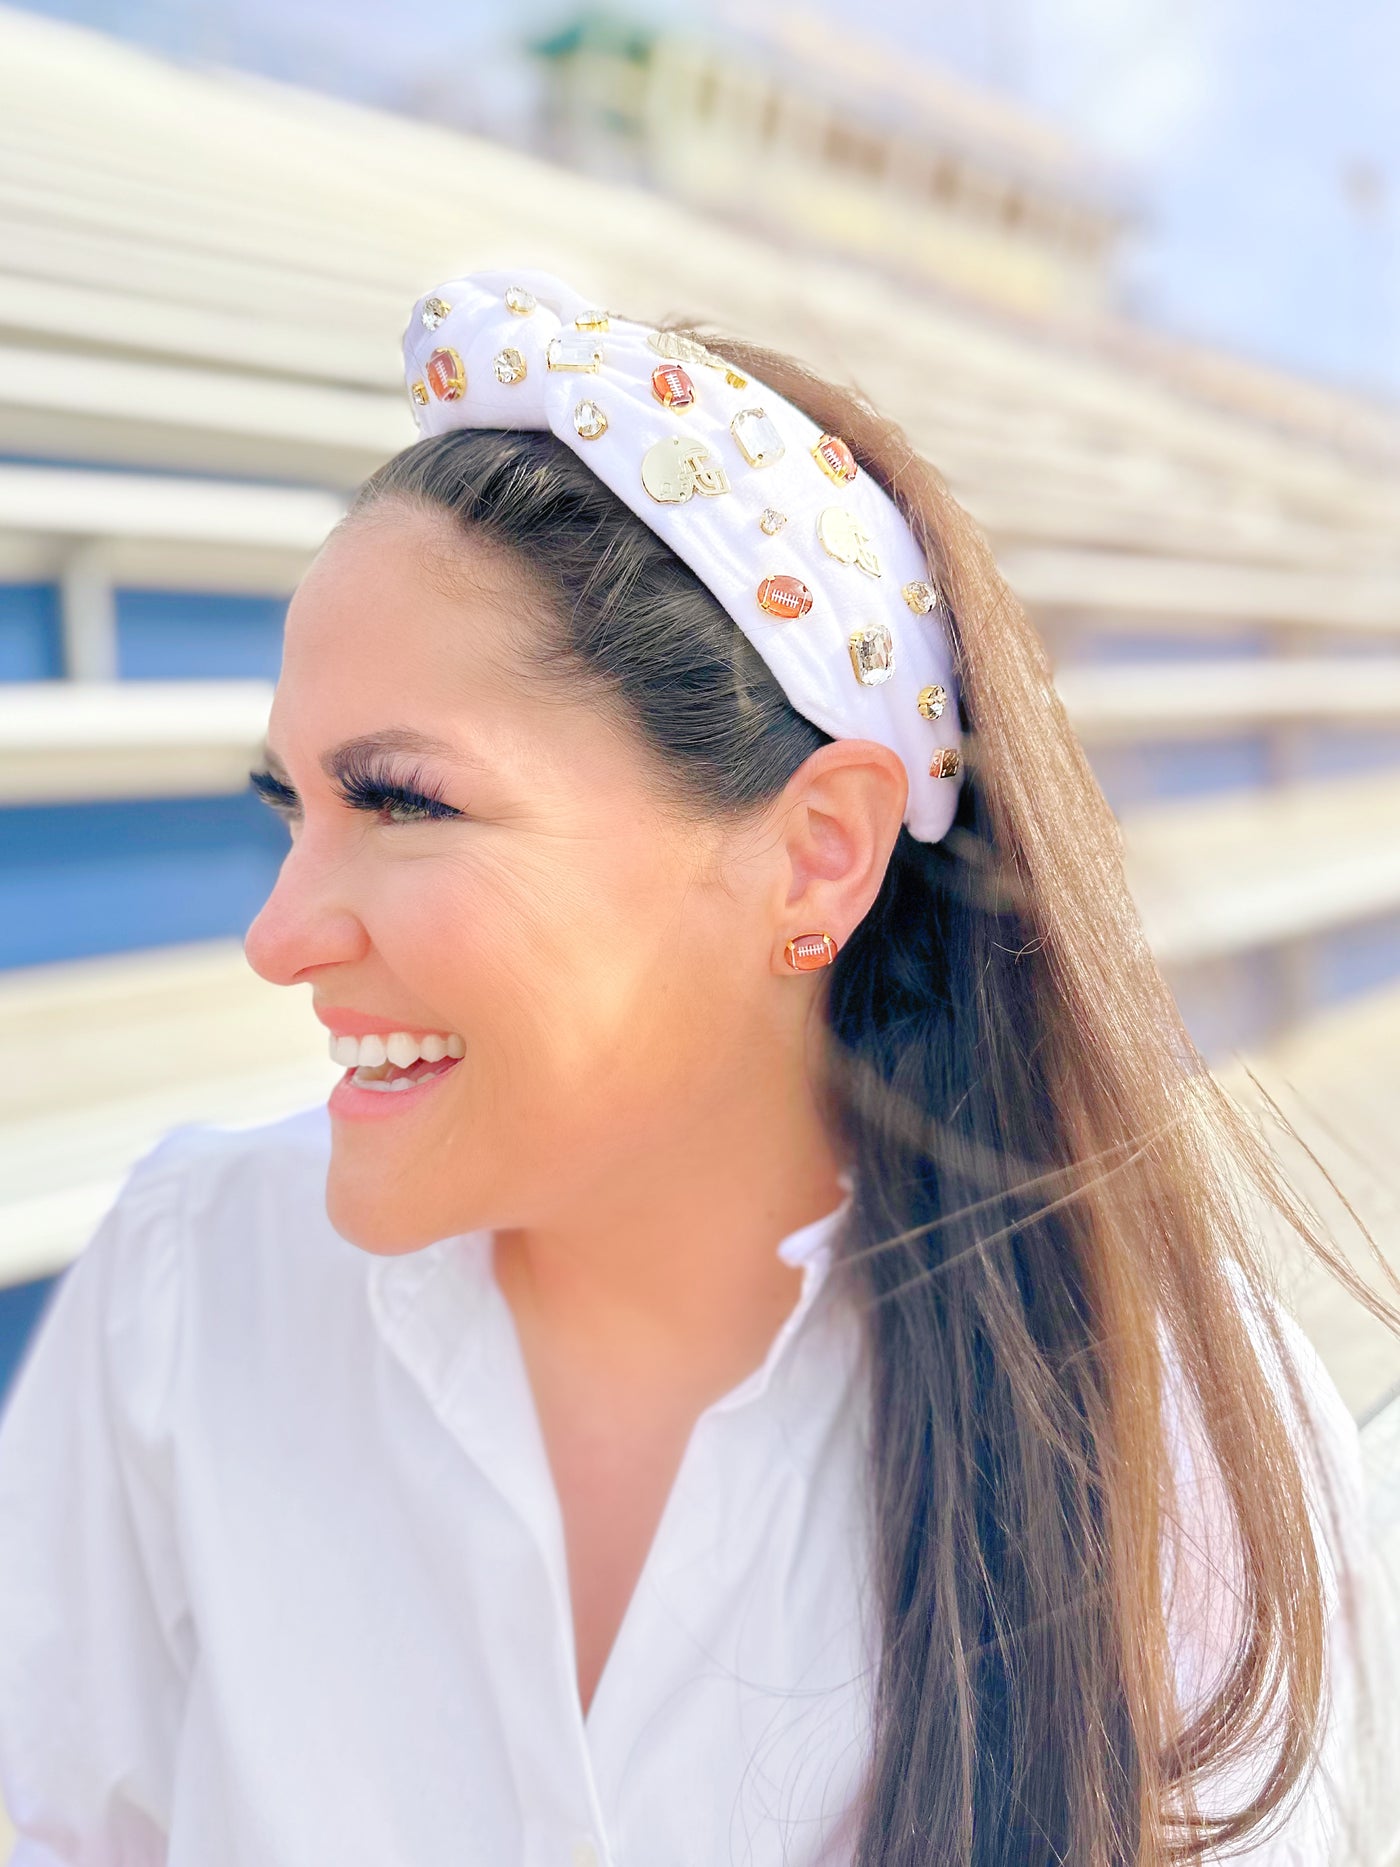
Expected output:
(1129, 270)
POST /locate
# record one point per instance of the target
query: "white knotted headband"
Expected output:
(810, 557)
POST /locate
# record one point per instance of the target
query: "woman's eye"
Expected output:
(276, 795)
(398, 803)
(401, 810)
(393, 803)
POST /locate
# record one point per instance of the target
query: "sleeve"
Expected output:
(1336, 1818)
(95, 1640)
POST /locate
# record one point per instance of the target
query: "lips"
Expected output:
(343, 1021)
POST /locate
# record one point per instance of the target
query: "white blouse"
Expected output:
(282, 1570)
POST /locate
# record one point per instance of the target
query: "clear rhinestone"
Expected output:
(921, 597)
(772, 521)
(509, 365)
(932, 701)
(434, 311)
(590, 421)
(872, 654)
(757, 437)
(574, 350)
(521, 302)
(591, 321)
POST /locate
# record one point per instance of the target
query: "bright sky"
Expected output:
(1262, 135)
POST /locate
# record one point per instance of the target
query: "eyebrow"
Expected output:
(391, 739)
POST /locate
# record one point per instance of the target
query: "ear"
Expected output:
(838, 818)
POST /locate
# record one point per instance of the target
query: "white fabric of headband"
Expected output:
(811, 558)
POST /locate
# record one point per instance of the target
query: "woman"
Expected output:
(807, 1389)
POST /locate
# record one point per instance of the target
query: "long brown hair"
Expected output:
(1051, 1187)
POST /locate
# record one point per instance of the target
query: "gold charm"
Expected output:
(590, 421)
(757, 437)
(872, 654)
(433, 312)
(678, 349)
(735, 380)
(447, 375)
(671, 386)
(419, 393)
(509, 365)
(835, 459)
(573, 350)
(844, 537)
(921, 597)
(785, 597)
(771, 521)
(680, 466)
(932, 701)
(591, 321)
(521, 302)
(946, 763)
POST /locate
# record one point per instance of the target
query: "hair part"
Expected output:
(1048, 1183)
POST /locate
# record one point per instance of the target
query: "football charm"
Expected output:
(784, 597)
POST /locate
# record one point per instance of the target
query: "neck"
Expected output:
(670, 1262)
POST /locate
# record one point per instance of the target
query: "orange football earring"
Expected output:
(806, 952)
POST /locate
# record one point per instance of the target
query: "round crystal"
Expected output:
(590, 421)
(521, 302)
(509, 365)
(434, 311)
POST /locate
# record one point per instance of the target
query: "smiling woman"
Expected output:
(808, 1389)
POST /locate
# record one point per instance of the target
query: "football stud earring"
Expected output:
(807, 952)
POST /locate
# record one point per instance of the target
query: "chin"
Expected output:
(375, 1224)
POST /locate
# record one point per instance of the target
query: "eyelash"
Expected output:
(363, 787)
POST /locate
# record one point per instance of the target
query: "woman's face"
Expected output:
(605, 963)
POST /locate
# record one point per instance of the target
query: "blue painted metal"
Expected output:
(82, 879)
(21, 1307)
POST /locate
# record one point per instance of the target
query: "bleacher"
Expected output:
(203, 281)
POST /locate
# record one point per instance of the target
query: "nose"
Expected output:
(304, 924)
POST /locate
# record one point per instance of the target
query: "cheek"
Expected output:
(551, 966)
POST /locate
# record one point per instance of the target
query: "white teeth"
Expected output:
(399, 1048)
(384, 1085)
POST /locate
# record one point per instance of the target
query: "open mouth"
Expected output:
(369, 1091)
(389, 1079)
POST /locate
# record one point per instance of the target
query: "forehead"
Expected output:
(406, 622)
(411, 601)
